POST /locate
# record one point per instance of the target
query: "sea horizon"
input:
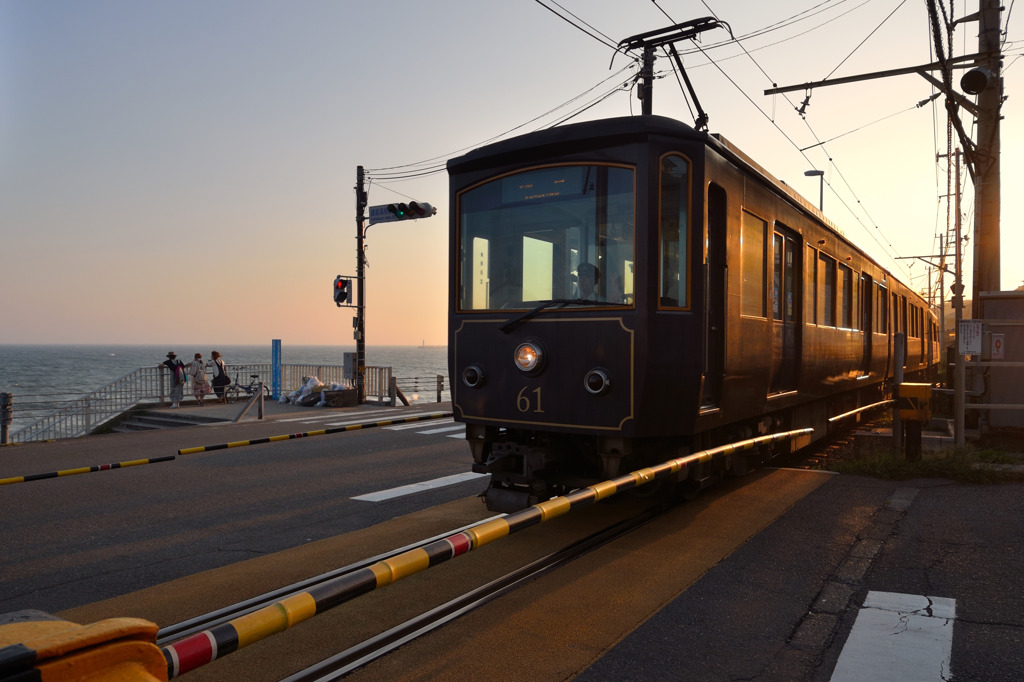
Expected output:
(41, 377)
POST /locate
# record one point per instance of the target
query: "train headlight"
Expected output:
(596, 381)
(529, 357)
(473, 376)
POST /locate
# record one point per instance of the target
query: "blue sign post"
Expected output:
(275, 368)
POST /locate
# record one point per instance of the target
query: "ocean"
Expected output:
(42, 377)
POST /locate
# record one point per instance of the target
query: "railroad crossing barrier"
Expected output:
(88, 653)
(207, 646)
(207, 448)
(319, 432)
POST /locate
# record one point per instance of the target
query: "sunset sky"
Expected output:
(178, 172)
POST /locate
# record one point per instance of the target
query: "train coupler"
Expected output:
(505, 499)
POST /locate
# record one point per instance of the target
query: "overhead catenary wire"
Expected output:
(890, 251)
(429, 167)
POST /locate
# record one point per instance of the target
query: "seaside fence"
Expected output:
(151, 385)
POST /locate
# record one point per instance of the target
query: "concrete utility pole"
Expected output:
(985, 81)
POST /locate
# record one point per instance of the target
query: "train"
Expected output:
(629, 290)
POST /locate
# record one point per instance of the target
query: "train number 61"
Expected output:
(523, 402)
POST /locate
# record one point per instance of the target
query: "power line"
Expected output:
(593, 33)
(429, 167)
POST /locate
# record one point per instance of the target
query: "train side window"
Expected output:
(829, 269)
(753, 243)
(882, 324)
(846, 297)
(811, 296)
(777, 249)
(674, 208)
(783, 282)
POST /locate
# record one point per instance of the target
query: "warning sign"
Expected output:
(998, 341)
(970, 337)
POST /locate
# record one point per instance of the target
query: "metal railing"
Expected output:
(151, 385)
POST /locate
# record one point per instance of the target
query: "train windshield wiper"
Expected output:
(553, 303)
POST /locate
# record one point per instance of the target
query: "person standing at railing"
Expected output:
(220, 376)
(178, 377)
(200, 386)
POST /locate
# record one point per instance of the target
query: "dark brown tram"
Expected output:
(628, 290)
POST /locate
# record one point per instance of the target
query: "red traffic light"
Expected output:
(342, 290)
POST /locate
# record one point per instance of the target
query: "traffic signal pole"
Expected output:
(384, 213)
(360, 321)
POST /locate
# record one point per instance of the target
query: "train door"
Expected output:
(866, 328)
(786, 254)
(714, 297)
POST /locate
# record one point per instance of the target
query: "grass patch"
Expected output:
(964, 465)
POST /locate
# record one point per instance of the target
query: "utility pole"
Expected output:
(958, 311)
(987, 83)
(360, 321)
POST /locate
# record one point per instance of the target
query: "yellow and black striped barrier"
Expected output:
(320, 432)
(85, 470)
(209, 645)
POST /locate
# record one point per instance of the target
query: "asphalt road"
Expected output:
(761, 578)
(74, 540)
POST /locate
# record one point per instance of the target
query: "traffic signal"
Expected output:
(412, 210)
(420, 209)
(400, 211)
(342, 290)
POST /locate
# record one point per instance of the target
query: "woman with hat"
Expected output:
(178, 377)
(220, 375)
(200, 387)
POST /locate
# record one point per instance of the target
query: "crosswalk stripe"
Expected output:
(456, 427)
(413, 488)
(899, 638)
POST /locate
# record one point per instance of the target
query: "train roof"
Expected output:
(620, 130)
(623, 129)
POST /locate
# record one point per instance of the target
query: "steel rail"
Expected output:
(227, 613)
(211, 644)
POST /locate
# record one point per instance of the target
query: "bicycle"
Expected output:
(235, 390)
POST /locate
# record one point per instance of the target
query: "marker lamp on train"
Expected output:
(473, 377)
(596, 381)
(529, 357)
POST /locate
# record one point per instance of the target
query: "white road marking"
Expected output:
(413, 425)
(417, 487)
(899, 638)
(372, 420)
(456, 427)
(334, 415)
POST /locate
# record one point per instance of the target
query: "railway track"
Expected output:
(178, 631)
(341, 664)
(187, 644)
(380, 644)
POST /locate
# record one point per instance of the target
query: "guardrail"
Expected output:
(151, 385)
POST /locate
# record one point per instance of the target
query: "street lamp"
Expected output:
(821, 186)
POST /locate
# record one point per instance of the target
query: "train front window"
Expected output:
(554, 234)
